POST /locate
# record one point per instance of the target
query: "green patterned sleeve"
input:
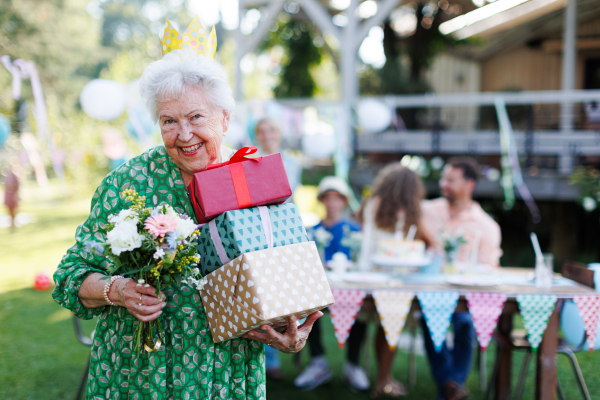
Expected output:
(80, 262)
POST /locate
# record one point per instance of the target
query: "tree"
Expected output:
(297, 39)
(60, 37)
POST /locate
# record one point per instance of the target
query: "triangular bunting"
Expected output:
(393, 307)
(589, 309)
(343, 311)
(485, 309)
(438, 308)
(536, 310)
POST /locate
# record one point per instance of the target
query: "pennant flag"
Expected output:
(393, 307)
(438, 308)
(485, 309)
(343, 311)
(536, 310)
(589, 309)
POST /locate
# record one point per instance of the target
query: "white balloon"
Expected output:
(104, 100)
(373, 115)
(318, 145)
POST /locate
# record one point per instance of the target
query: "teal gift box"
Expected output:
(250, 229)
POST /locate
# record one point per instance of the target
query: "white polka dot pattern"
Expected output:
(265, 287)
(485, 309)
(393, 307)
(589, 309)
(536, 310)
(343, 312)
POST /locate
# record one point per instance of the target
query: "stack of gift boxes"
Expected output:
(259, 265)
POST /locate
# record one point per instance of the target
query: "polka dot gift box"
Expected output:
(265, 287)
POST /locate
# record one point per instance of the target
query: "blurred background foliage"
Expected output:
(75, 41)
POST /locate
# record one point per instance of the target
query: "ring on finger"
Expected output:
(270, 342)
(140, 303)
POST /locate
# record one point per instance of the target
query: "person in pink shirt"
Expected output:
(458, 214)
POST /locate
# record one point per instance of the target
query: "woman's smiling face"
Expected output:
(192, 130)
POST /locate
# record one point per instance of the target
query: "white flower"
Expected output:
(186, 226)
(195, 271)
(140, 282)
(159, 253)
(200, 284)
(124, 237)
(124, 216)
(170, 211)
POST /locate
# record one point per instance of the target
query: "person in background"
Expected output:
(334, 193)
(11, 196)
(394, 206)
(457, 213)
(268, 135)
(269, 140)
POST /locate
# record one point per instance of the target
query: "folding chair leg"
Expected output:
(83, 384)
(578, 374)
(523, 376)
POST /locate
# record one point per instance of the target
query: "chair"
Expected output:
(518, 340)
(86, 341)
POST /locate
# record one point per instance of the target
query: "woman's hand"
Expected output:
(292, 340)
(141, 301)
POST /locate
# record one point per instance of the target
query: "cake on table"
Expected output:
(405, 250)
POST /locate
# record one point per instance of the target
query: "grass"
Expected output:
(40, 357)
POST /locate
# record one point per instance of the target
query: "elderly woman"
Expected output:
(190, 97)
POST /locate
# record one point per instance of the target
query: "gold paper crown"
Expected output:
(194, 37)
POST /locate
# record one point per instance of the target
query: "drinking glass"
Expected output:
(544, 271)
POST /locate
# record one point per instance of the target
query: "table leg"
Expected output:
(504, 356)
(545, 374)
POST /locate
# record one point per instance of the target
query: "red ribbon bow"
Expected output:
(239, 156)
(240, 185)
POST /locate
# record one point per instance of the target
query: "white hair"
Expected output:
(167, 79)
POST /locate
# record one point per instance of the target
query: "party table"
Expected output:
(513, 285)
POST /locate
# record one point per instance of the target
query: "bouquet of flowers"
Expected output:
(322, 237)
(155, 246)
(352, 240)
(452, 243)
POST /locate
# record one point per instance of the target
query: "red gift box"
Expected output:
(241, 182)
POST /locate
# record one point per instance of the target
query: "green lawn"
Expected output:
(40, 357)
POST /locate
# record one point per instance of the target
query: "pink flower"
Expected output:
(160, 224)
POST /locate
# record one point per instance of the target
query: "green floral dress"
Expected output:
(189, 365)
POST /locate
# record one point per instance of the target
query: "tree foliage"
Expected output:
(297, 39)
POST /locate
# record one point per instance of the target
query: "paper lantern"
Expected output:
(104, 100)
(373, 115)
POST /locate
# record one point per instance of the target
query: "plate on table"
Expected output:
(386, 261)
(472, 280)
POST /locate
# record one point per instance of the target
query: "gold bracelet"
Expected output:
(107, 288)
